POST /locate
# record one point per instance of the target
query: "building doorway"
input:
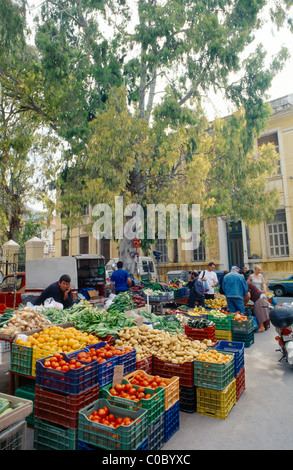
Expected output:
(235, 244)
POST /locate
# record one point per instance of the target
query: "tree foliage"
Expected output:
(123, 84)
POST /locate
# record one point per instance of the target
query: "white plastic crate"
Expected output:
(4, 346)
(14, 437)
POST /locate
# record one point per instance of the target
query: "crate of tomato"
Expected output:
(58, 372)
(103, 424)
(134, 397)
(107, 357)
(171, 386)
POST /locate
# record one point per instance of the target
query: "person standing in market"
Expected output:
(212, 280)
(120, 279)
(196, 296)
(235, 289)
(260, 307)
(60, 291)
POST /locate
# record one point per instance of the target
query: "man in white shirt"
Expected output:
(212, 279)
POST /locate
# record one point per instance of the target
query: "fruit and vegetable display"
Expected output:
(101, 355)
(24, 319)
(138, 301)
(121, 302)
(199, 323)
(239, 317)
(217, 302)
(6, 406)
(103, 416)
(130, 392)
(166, 346)
(214, 356)
(144, 380)
(56, 339)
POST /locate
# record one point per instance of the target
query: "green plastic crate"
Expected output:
(121, 438)
(28, 393)
(214, 376)
(244, 326)
(54, 437)
(221, 323)
(21, 359)
(155, 406)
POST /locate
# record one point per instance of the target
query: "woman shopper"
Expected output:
(260, 307)
(257, 278)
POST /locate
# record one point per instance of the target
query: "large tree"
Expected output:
(151, 143)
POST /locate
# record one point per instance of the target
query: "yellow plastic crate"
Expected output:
(216, 404)
(38, 354)
(171, 391)
(223, 334)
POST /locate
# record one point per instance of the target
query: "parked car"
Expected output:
(282, 287)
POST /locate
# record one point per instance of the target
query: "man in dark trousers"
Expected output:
(60, 291)
(196, 296)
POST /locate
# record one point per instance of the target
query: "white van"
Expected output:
(146, 267)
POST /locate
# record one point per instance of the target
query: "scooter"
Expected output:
(282, 319)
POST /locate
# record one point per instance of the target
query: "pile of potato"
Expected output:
(162, 344)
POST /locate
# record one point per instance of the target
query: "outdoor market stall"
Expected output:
(118, 378)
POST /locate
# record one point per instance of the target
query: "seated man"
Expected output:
(60, 291)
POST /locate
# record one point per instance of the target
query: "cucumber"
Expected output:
(4, 405)
(5, 412)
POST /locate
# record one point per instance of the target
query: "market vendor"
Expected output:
(60, 291)
(120, 279)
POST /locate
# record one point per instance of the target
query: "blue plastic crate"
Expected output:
(128, 359)
(237, 348)
(72, 382)
(156, 433)
(105, 369)
(171, 420)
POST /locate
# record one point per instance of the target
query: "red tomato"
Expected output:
(128, 386)
(65, 368)
(132, 391)
(140, 389)
(119, 420)
(111, 418)
(148, 395)
(102, 413)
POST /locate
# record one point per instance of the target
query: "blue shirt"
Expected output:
(234, 285)
(119, 277)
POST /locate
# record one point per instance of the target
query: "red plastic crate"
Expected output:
(146, 364)
(200, 333)
(62, 409)
(240, 383)
(184, 371)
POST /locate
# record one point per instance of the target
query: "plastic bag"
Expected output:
(52, 303)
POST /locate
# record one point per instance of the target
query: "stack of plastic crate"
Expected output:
(237, 348)
(223, 325)
(4, 351)
(243, 331)
(169, 420)
(155, 407)
(59, 396)
(185, 373)
(215, 387)
(93, 435)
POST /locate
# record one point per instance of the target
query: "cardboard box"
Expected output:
(93, 294)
